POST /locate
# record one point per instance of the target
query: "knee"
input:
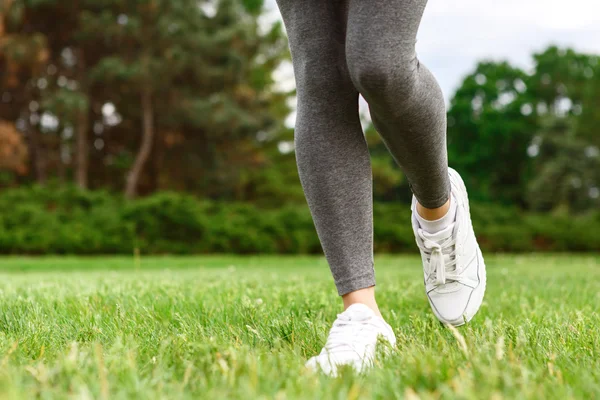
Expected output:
(319, 78)
(382, 76)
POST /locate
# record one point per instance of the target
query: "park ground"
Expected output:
(241, 327)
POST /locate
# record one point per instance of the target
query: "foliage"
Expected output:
(488, 133)
(523, 138)
(67, 220)
(161, 94)
(566, 145)
(567, 169)
(63, 221)
(181, 96)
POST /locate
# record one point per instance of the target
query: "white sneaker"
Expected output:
(352, 341)
(453, 265)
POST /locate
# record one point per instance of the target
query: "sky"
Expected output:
(456, 34)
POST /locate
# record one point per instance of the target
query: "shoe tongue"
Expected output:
(357, 312)
(439, 235)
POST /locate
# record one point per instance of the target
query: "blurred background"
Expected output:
(166, 126)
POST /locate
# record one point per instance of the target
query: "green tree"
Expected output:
(561, 79)
(567, 171)
(152, 43)
(199, 82)
(491, 122)
(236, 122)
(566, 86)
(196, 107)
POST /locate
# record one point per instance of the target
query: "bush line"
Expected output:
(36, 220)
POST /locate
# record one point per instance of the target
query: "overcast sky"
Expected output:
(455, 34)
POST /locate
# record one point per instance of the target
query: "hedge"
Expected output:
(68, 220)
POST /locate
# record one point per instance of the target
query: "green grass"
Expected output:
(241, 327)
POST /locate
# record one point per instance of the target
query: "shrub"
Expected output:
(166, 222)
(67, 220)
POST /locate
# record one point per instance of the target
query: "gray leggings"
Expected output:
(341, 48)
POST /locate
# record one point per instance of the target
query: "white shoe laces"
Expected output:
(441, 258)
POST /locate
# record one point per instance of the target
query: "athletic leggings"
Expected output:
(341, 48)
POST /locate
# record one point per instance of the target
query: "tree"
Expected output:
(207, 75)
(567, 174)
(560, 80)
(23, 56)
(566, 86)
(233, 119)
(137, 61)
(491, 122)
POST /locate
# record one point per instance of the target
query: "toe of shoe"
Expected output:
(330, 366)
(451, 307)
(312, 364)
(321, 364)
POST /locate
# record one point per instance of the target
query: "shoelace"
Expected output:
(346, 333)
(441, 258)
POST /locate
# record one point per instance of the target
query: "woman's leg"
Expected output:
(335, 170)
(408, 110)
(331, 152)
(405, 100)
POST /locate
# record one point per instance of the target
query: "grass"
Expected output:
(241, 327)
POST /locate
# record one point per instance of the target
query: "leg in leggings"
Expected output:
(331, 152)
(339, 47)
(405, 100)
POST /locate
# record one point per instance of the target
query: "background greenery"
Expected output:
(157, 125)
(67, 220)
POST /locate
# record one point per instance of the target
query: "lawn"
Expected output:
(241, 327)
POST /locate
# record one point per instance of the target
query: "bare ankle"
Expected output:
(364, 296)
(431, 214)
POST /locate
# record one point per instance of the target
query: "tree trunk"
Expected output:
(82, 129)
(134, 174)
(36, 152)
(82, 158)
(156, 162)
(61, 167)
